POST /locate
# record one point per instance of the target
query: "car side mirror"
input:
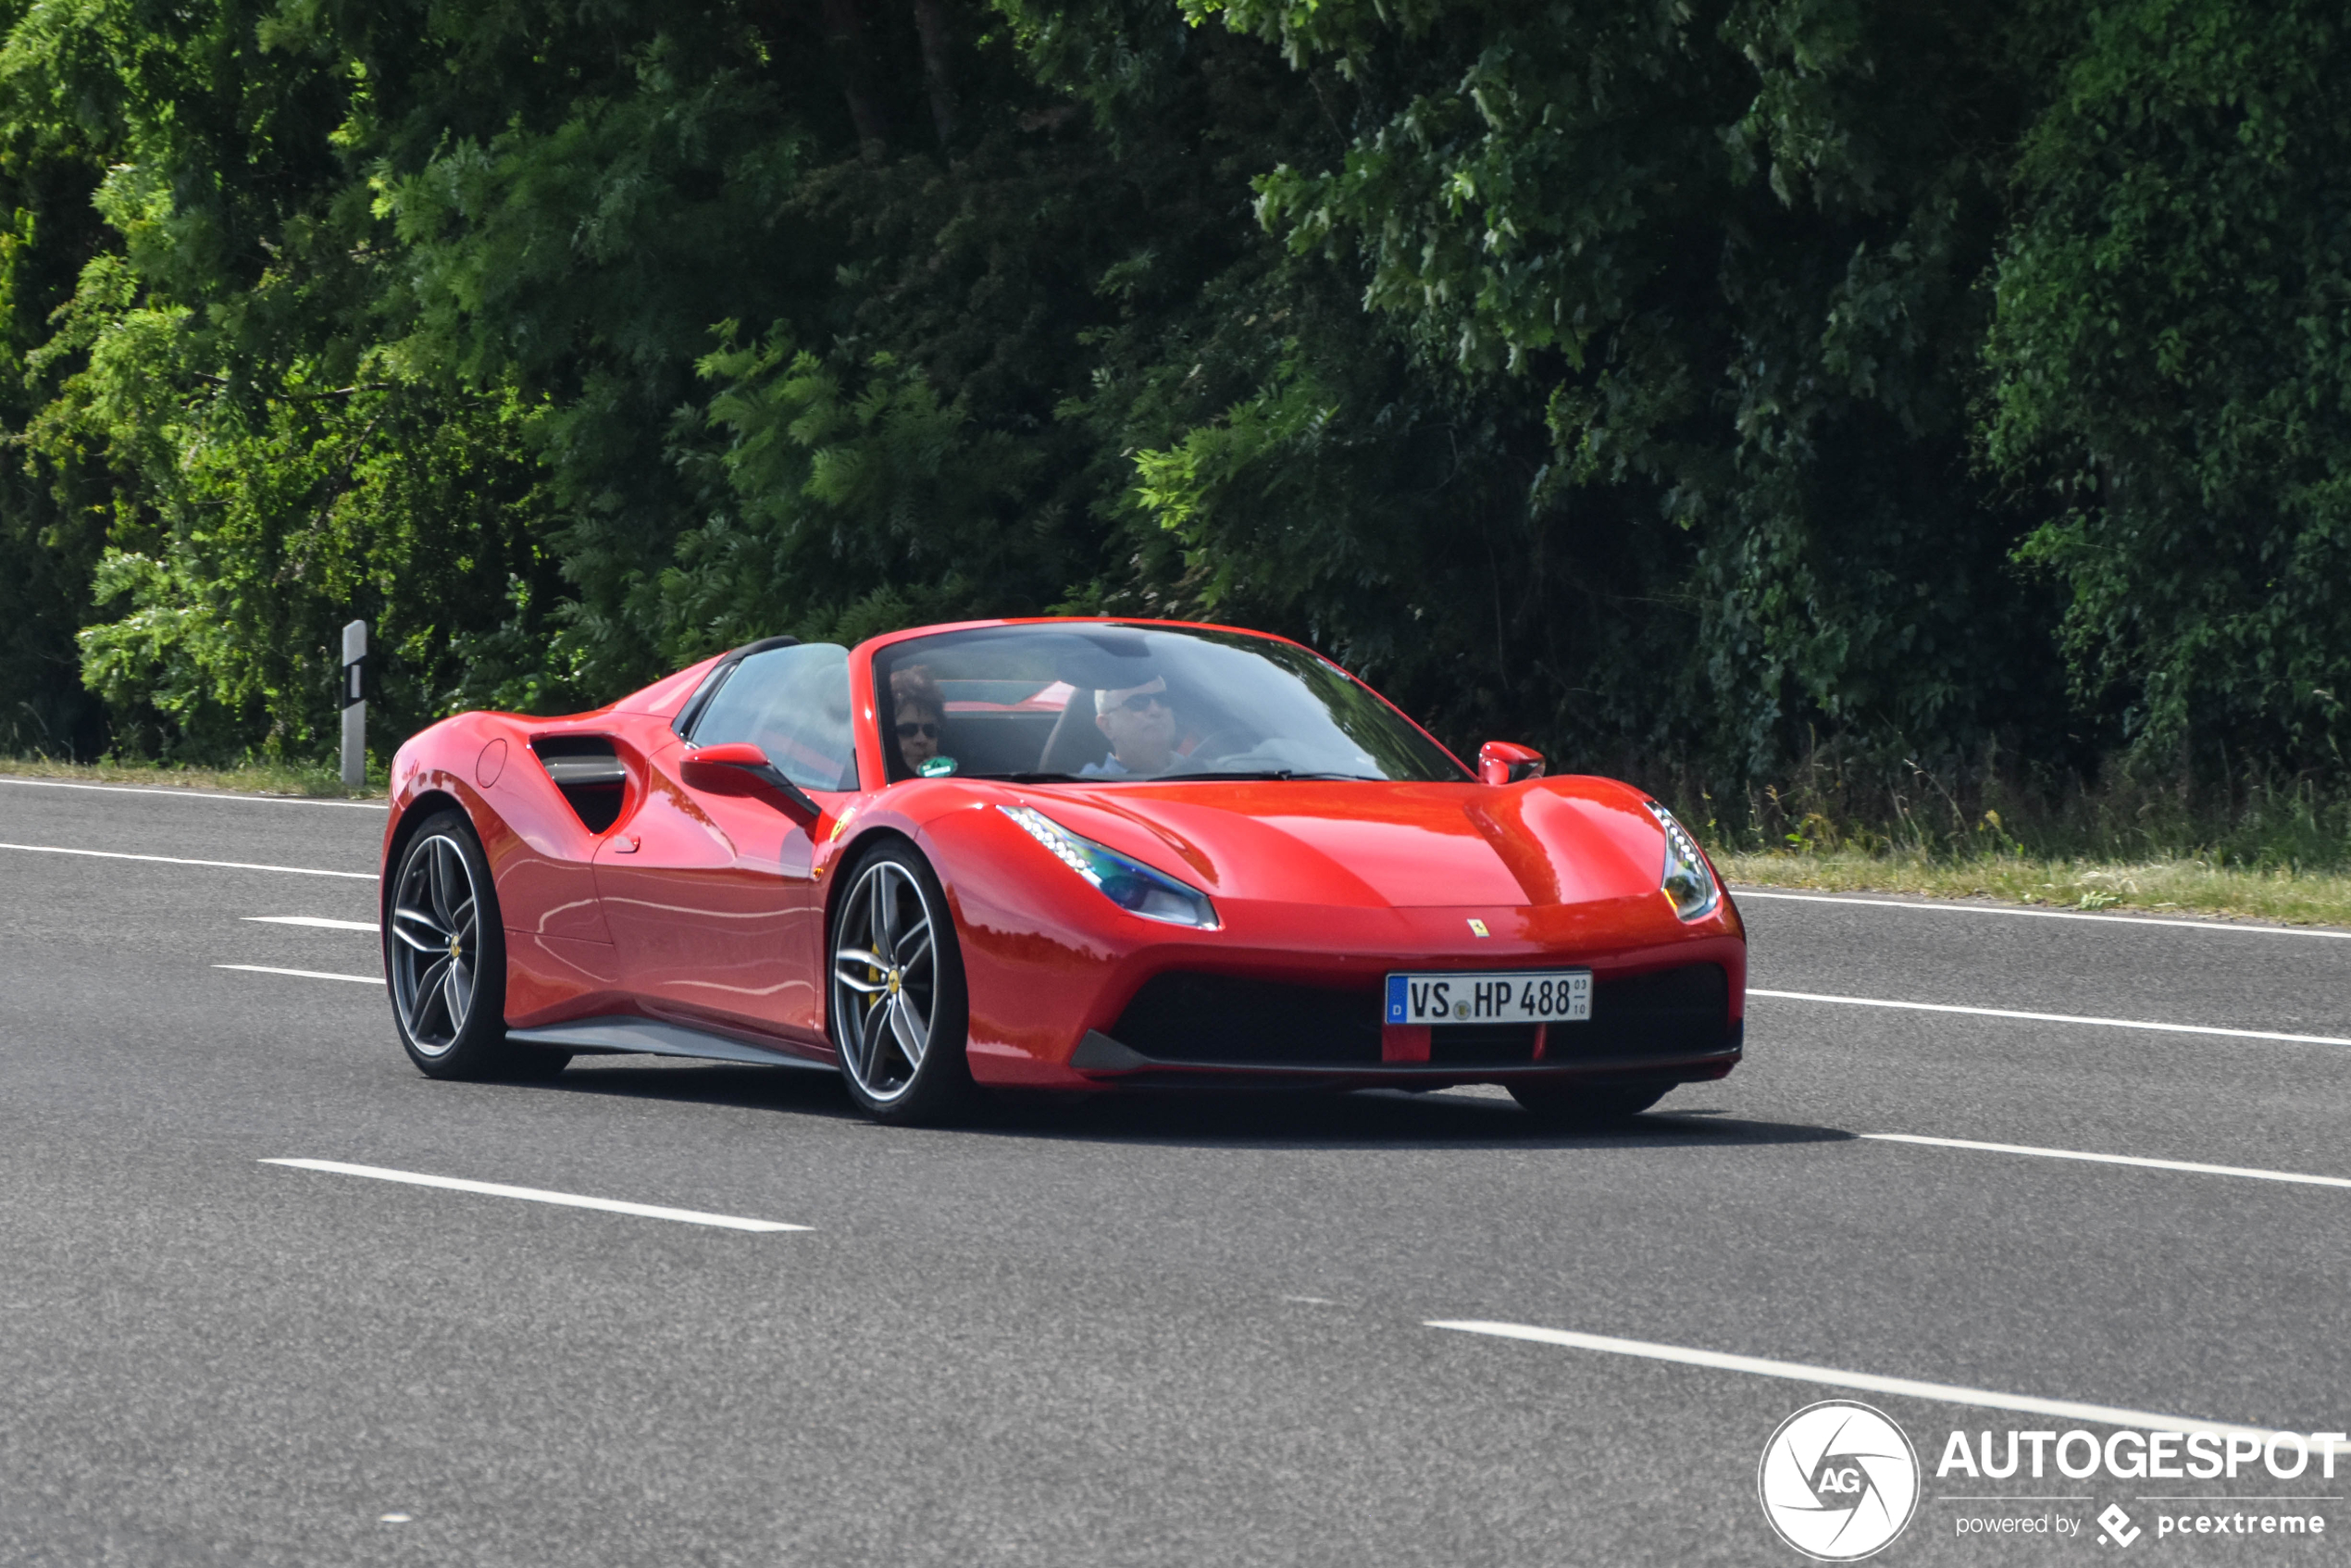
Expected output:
(739, 768)
(1506, 762)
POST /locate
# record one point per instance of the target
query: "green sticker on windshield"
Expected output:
(937, 768)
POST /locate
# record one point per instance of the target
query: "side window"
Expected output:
(793, 705)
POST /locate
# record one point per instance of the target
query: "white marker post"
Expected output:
(354, 705)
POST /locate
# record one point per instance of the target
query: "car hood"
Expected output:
(1549, 841)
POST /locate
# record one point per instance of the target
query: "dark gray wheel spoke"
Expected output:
(407, 915)
(848, 975)
(410, 938)
(437, 878)
(872, 1037)
(879, 921)
(908, 1028)
(458, 994)
(428, 994)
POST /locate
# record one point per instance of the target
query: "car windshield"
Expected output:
(1096, 700)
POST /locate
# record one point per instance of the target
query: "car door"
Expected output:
(710, 896)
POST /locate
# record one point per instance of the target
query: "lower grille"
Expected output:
(1181, 1016)
(1483, 1045)
(1683, 1012)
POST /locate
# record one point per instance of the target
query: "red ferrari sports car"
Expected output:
(1063, 854)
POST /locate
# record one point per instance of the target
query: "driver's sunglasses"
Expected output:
(909, 729)
(1143, 702)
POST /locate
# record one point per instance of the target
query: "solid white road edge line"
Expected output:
(2053, 1017)
(182, 794)
(318, 920)
(534, 1195)
(303, 974)
(174, 860)
(1828, 1376)
(1948, 906)
(2189, 1165)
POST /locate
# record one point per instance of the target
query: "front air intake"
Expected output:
(1181, 1016)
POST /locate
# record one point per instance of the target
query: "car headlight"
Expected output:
(1686, 880)
(1126, 882)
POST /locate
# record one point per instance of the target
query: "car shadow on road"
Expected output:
(1258, 1120)
(1367, 1119)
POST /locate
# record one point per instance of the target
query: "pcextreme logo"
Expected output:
(1838, 1481)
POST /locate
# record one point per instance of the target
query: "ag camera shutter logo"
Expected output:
(1838, 1481)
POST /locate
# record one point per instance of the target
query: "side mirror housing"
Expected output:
(1506, 762)
(738, 767)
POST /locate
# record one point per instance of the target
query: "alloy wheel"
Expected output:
(435, 924)
(885, 976)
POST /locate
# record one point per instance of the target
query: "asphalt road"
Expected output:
(1141, 1332)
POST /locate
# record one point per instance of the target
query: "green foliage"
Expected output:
(849, 505)
(2173, 352)
(1680, 291)
(1671, 382)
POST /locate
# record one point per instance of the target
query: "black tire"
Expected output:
(1579, 1106)
(888, 982)
(445, 959)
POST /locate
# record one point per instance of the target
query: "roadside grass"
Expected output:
(2255, 845)
(246, 778)
(2164, 885)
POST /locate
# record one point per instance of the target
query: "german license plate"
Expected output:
(1550, 996)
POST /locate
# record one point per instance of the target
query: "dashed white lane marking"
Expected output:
(169, 793)
(1831, 1377)
(174, 860)
(303, 974)
(318, 920)
(2053, 1017)
(1942, 906)
(2191, 1167)
(535, 1195)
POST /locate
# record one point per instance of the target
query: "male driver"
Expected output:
(1141, 728)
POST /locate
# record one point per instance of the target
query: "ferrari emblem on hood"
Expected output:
(1478, 929)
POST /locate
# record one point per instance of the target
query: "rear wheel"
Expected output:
(1578, 1105)
(445, 957)
(897, 1011)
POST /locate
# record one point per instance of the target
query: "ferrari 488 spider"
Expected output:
(1060, 855)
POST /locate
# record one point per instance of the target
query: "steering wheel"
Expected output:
(1216, 745)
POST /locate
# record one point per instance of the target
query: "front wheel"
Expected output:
(897, 1011)
(445, 959)
(1573, 1106)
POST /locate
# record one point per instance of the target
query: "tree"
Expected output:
(2173, 362)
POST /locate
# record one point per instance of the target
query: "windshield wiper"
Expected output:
(1283, 773)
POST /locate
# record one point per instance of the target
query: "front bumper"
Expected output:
(1050, 997)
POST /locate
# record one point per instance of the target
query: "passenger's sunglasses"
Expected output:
(909, 729)
(1142, 702)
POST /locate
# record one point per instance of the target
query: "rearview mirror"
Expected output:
(1506, 762)
(727, 768)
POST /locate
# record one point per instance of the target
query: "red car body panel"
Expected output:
(705, 906)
